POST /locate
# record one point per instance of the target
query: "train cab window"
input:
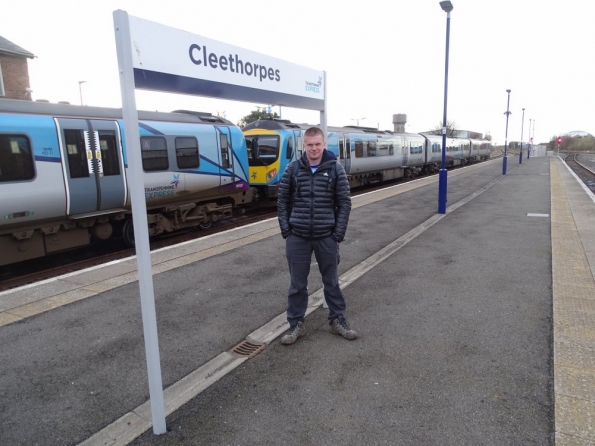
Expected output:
(263, 150)
(77, 153)
(16, 158)
(225, 161)
(187, 153)
(154, 153)
(359, 148)
(109, 153)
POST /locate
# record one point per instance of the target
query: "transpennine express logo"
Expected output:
(176, 181)
(314, 86)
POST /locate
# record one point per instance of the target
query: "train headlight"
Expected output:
(271, 174)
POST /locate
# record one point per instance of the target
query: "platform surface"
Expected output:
(476, 327)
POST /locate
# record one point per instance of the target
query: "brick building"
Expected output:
(14, 71)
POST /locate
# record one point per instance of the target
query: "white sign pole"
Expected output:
(139, 212)
(323, 127)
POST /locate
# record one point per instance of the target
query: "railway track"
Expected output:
(36, 270)
(585, 173)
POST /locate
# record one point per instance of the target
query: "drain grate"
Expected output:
(248, 348)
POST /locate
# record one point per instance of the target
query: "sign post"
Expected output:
(156, 57)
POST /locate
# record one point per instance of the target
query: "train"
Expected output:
(64, 179)
(368, 155)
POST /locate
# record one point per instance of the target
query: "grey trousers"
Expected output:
(299, 256)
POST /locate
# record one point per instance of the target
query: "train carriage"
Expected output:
(63, 174)
(368, 155)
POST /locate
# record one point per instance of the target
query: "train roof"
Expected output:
(284, 124)
(85, 111)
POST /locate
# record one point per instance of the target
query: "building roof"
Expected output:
(7, 47)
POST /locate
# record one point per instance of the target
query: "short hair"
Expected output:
(314, 131)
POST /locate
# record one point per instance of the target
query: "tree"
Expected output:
(452, 130)
(255, 115)
(572, 143)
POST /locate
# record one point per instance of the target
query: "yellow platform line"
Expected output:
(574, 324)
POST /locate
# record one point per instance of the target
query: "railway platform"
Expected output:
(476, 328)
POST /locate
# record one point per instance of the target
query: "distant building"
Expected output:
(14, 71)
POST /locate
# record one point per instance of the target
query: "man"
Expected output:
(313, 207)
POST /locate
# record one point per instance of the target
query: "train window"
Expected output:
(391, 149)
(299, 146)
(109, 153)
(77, 153)
(154, 153)
(415, 148)
(187, 153)
(16, 158)
(224, 151)
(359, 148)
(289, 152)
(371, 148)
(263, 150)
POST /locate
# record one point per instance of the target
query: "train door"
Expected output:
(93, 165)
(299, 145)
(405, 151)
(226, 156)
(345, 151)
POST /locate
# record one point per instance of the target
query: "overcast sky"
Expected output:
(381, 57)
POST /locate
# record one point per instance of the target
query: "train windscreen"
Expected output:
(263, 150)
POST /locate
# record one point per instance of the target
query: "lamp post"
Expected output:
(522, 128)
(530, 141)
(357, 120)
(443, 174)
(81, 91)
(504, 160)
(532, 135)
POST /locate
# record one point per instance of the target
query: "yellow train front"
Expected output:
(272, 145)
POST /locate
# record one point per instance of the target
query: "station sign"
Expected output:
(172, 60)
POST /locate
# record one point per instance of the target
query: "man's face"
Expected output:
(314, 147)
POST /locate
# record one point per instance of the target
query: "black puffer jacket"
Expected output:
(314, 205)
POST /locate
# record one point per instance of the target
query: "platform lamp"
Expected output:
(443, 174)
(530, 141)
(522, 128)
(504, 160)
(532, 134)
